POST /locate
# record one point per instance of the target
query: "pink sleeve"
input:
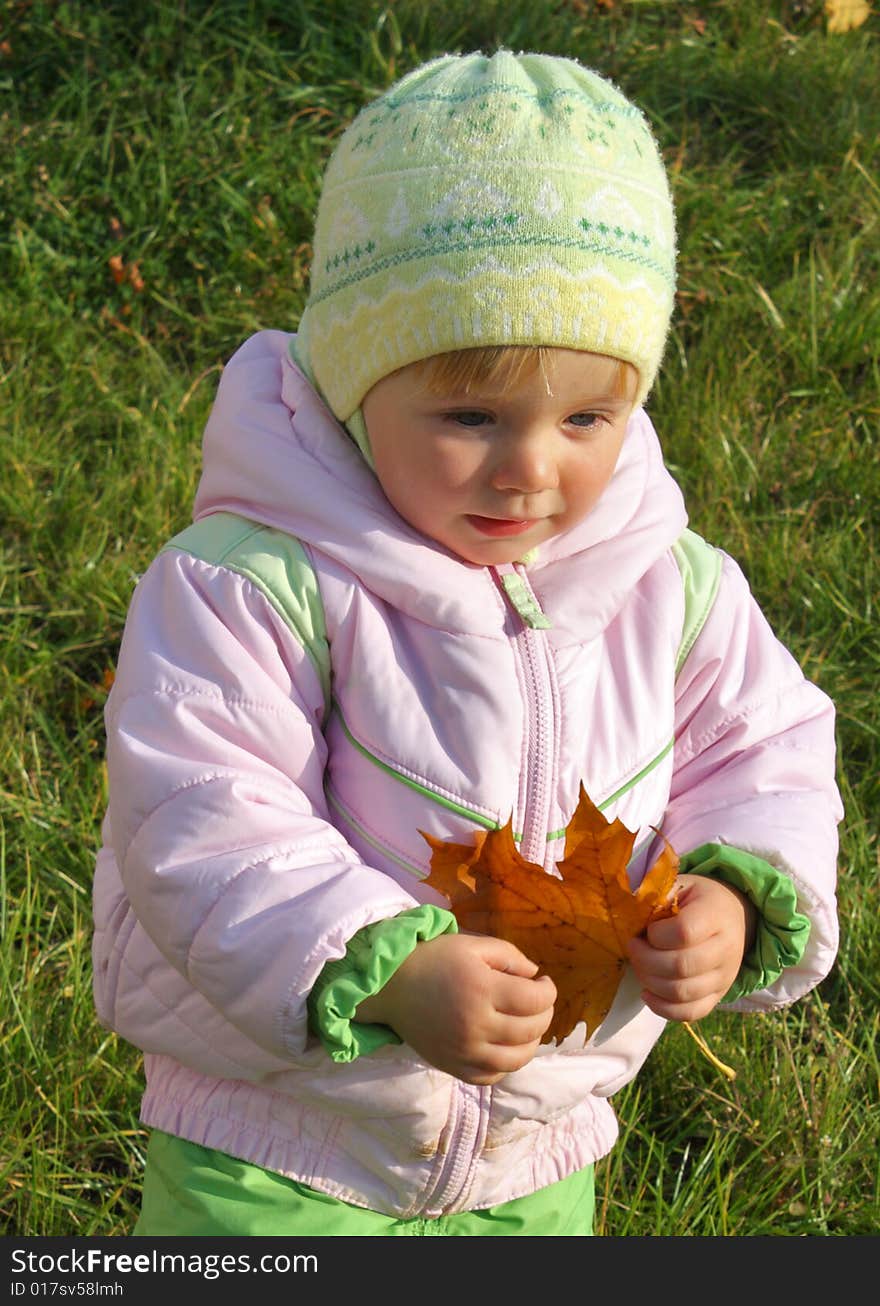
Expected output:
(755, 768)
(217, 815)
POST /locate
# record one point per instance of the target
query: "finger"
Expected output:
(682, 963)
(506, 957)
(495, 1061)
(685, 930)
(683, 991)
(681, 1010)
(518, 1031)
(514, 996)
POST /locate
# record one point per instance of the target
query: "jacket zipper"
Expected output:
(537, 792)
(465, 1138)
(470, 1108)
(535, 797)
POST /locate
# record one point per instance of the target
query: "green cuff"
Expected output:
(371, 958)
(783, 931)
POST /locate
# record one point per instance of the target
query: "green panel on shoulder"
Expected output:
(277, 564)
(700, 567)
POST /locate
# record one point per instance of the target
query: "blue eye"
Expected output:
(585, 419)
(470, 418)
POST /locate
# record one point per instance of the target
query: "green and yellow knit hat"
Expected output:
(514, 199)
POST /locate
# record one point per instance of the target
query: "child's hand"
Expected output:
(469, 1004)
(689, 961)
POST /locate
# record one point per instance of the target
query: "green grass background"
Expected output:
(187, 140)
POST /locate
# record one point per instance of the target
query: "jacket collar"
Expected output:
(273, 452)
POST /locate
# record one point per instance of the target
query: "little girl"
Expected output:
(439, 578)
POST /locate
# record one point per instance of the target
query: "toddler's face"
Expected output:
(492, 473)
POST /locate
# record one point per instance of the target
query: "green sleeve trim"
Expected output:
(279, 567)
(371, 958)
(783, 931)
(700, 567)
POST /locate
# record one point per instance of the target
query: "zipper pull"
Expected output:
(523, 601)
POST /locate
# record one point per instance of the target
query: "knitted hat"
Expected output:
(511, 199)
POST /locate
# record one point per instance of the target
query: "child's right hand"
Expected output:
(467, 1003)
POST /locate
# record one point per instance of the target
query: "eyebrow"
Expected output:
(494, 396)
(463, 399)
(615, 400)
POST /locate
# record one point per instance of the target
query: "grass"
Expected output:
(188, 146)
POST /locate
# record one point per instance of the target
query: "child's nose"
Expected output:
(525, 464)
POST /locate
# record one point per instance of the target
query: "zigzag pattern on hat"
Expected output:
(517, 199)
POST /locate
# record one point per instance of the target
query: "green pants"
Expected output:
(191, 1190)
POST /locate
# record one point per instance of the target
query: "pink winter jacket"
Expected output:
(250, 833)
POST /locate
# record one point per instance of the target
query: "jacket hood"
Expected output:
(274, 453)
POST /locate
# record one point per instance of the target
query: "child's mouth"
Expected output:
(499, 525)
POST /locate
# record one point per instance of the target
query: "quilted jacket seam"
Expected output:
(716, 732)
(415, 776)
(242, 870)
(187, 691)
(175, 1014)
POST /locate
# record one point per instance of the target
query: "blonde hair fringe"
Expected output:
(503, 366)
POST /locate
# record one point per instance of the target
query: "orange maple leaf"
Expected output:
(574, 926)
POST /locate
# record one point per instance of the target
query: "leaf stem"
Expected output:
(727, 1071)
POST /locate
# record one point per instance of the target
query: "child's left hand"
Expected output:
(687, 962)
